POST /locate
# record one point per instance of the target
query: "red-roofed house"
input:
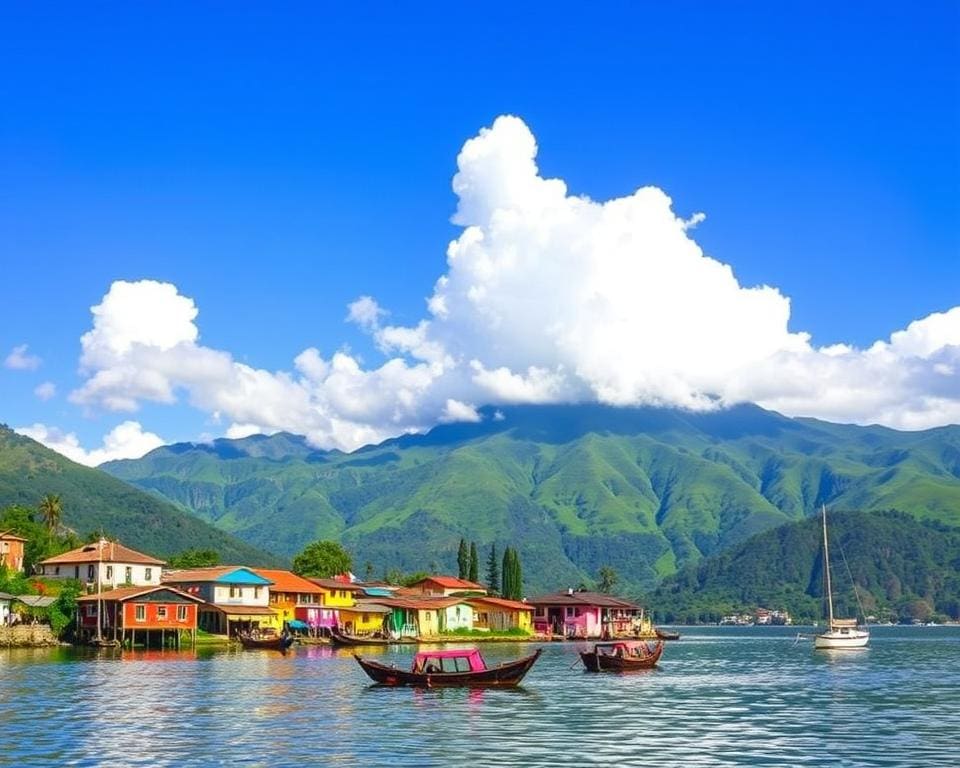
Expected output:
(444, 586)
(11, 550)
(146, 614)
(116, 564)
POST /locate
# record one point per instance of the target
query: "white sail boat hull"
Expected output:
(842, 638)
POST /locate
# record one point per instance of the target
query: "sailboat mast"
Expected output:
(826, 567)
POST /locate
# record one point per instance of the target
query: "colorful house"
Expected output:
(108, 564)
(444, 586)
(585, 614)
(292, 597)
(495, 614)
(363, 617)
(427, 616)
(236, 599)
(338, 593)
(132, 614)
(11, 550)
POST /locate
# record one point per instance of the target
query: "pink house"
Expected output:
(584, 614)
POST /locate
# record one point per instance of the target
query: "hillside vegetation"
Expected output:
(903, 569)
(94, 501)
(643, 490)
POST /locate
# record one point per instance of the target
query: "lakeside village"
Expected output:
(120, 596)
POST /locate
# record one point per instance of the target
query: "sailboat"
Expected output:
(840, 633)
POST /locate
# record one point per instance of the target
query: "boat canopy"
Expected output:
(463, 660)
(298, 625)
(844, 622)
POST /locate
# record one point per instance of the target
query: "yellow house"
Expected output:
(289, 591)
(495, 614)
(363, 618)
(337, 594)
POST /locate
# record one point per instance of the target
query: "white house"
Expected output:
(108, 563)
(237, 598)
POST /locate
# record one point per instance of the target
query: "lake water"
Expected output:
(721, 696)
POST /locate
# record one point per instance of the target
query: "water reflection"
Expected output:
(719, 697)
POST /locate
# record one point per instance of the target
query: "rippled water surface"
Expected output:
(722, 696)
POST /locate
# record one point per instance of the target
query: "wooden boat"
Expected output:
(666, 634)
(267, 642)
(622, 656)
(343, 639)
(463, 668)
(841, 633)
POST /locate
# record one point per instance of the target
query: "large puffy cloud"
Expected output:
(547, 297)
(127, 440)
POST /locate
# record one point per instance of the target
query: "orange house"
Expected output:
(150, 614)
(11, 550)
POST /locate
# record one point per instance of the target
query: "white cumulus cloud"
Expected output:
(46, 390)
(125, 441)
(547, 296)
(21, 360)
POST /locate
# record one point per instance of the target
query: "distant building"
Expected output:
(497, 614)
(116, 565)
(11, 550)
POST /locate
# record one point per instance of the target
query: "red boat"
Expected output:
(622, 656)
(459, 668)
(267, 641)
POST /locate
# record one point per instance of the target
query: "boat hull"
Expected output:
(279, 643)
(594, 661)
(504, 675)
(841, 640)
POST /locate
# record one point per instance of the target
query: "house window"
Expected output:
(76, 571)
(256, 593)
(109, 573)
(161, 612)
(571, 611)
(148, 573)
(181, 613)
(90, 573)
(91, 609)
(141, 613)
(128, 575)
(236, 591)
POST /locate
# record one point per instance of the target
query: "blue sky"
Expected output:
(276, 163)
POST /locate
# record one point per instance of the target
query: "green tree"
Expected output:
(493, 570)
(194, 558)
(607, 579)
(463, 560)
(474, 573)
(63, 611)
(368, 571)
(51, 511)
(511, 580)
(322, 560)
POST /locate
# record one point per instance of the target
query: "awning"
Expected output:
(240, 610)
(298, 625)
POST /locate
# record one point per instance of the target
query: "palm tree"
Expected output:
(51, 510)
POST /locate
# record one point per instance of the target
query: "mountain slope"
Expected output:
(92, 500)
(899, 564)
(643, 490)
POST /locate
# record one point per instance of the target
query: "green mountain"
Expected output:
(643, 490)
(92, 500)
(903, 569)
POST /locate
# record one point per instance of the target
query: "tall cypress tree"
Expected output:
(474, 563)
(517, 577)
(506, 569)
(493, 571)
(463, 559)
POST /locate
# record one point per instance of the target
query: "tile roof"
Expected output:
(583, 597)
(452, 582)
(112, 552)
(212, 573)
(328, 584)
(500, 602)
(288, 581)
(243, 610)
(418, 603)
(9, 534)
(121, 594)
